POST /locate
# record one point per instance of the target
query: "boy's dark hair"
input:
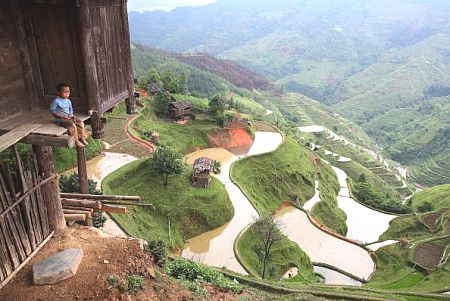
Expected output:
(60, 86)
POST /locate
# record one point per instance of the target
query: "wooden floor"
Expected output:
(44, 118)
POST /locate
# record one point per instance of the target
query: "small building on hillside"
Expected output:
(202, 169)
(180, 109)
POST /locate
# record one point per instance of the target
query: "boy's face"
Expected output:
(64, 92)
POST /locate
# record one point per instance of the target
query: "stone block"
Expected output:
(57, 267)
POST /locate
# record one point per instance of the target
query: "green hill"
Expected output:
(438, 197)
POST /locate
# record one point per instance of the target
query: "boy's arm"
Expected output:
(60, 116)
(70, 109)
(53, 111)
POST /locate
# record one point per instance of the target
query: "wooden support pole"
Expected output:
(89, 67)
(82, 170)
(100, 197)
(131, 100)
(82, 203)
(50, 190)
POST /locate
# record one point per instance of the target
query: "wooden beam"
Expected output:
(108, 104)
(82, 170)
(75, 217)
(44, 140)
(15, 135)
(79, 208)
(50, 190)
(72, 211)
(114, 209)
(81, 203)
(100, 197)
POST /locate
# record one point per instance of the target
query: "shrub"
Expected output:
(159, 251)
(135, 283)
(198, 273)
(71, 184)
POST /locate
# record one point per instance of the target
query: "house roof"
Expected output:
(181, 104)
(203, 164)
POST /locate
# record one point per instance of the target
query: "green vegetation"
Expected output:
(437, 197)
(180, 210)
(285, 254)
(198, 273)
(327, 211)
(184, 138)
(270, 179)
(287, 174)
(166, 162)
(66, 158)
(135, 283)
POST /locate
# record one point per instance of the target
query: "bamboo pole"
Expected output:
(100, 197)
(79, 208)
(127, 204)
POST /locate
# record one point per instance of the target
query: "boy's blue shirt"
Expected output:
(61, 106)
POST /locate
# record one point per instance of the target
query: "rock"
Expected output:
(151, 272)
(57, 267)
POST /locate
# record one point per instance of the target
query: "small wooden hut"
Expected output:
(202, 169)
(84, 43)
(180, 109)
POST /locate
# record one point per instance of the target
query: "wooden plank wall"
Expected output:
(111, 48)
(13, 94)
(58, 51)
(23, 216)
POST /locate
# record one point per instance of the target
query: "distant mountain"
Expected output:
(377, 62)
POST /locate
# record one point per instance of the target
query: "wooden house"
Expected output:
(180, 109)
(202, 169)
(43, 42)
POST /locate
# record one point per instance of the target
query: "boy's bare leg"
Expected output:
(80, 130)
(72, 129)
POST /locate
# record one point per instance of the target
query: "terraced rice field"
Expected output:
(431, 172)
(431, 220)
(429, 254)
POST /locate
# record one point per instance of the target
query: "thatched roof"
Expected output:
(203, 164)
(179, 105)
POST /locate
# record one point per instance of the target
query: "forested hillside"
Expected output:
(385, 65)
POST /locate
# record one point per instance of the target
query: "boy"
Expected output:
(61, 109)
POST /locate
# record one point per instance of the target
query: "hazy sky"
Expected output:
(167, 5)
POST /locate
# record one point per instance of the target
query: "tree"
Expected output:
(183, 84)
(268, 232)
(162, 102)
(166, 162)
(170, 82)
(217, 106)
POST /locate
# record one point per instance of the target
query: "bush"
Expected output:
(198, 273)
(135, 283)
(159, 251)
(71, 184)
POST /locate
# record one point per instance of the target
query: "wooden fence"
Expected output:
(24, 226)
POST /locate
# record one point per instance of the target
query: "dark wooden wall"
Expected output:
(58, 51)
(42, 43)
(13, 92)
(110, 40)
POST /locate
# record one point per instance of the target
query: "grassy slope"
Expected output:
(439, 196)
(191, 211)
(284, 255)
(185, 138)
(273, 178)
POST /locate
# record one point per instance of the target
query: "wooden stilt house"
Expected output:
(202, 169)
(42, 42)
(180, 109)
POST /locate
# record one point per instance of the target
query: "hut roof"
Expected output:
(179, 105)
(203, 164)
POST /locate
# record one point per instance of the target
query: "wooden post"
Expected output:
(50, 190)
(89, 67)
(131, 100)
(82, 170)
